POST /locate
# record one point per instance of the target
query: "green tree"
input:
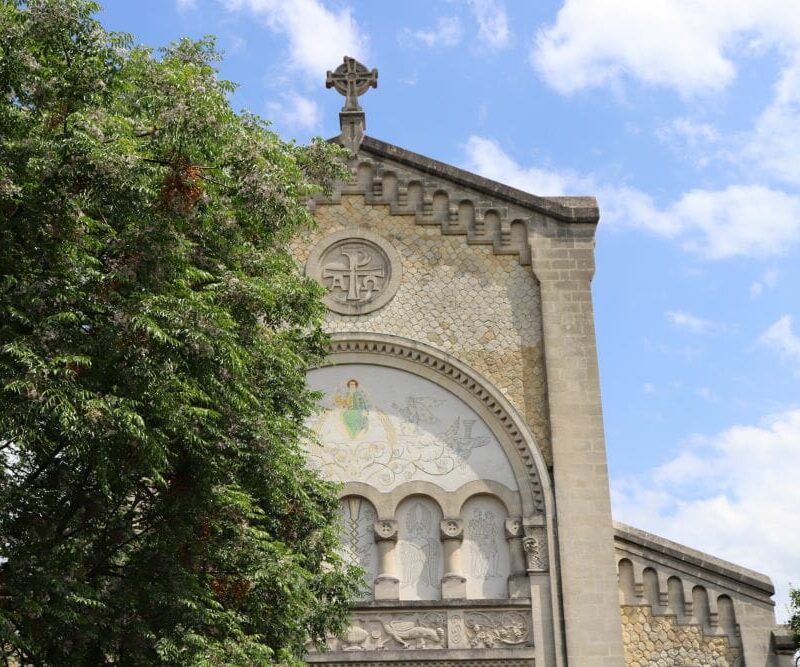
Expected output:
(155, 507)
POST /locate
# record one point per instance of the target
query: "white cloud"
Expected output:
(318, 37)
(774, 143)
(686, 45)
(693, 324)
(487, 158)
(739, 220)
(732, 495)
(185, 5)
(780, 338)
(296, 112)
(447, 33)
(492, 20)
(768, 280)
(649, 388)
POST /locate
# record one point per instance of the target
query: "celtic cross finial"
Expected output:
(352, 79)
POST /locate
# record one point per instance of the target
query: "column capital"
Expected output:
(513, 526)
(451, 529)
(535, 547)
(385, 530)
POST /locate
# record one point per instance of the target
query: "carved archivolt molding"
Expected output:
(392, 346)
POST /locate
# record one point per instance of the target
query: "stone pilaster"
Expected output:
(562, 257)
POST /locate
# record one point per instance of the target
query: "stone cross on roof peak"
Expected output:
(352, 79)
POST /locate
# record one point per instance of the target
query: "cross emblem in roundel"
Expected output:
(361, 271)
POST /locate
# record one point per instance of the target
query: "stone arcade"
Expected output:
(462, 415)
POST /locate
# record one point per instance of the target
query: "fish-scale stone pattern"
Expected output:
(463, 299)
(659, 641)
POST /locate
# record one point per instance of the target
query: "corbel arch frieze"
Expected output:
(499, 415)
(450, 502)
(455, 210)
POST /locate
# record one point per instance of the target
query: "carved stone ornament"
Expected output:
(452, 529)
(535, 551)
(430, 630)
(496, 631)
(392, 631)
(513, 527)
(351, 79)
(361, 271)
(386, 530)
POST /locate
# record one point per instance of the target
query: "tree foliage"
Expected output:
(154, 337)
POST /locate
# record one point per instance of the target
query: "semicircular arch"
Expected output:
(510, 430)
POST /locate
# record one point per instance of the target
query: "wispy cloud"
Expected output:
(715, 224)
(728, 494)
(781, 338)
(493, 29)
(693, 324)
(766, 281)
(446, 33)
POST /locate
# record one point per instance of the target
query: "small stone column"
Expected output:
(454, 584)
(534, 546)
(518, 579)
(387, 585)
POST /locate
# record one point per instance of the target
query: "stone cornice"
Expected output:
(660, 549)
(566, 209)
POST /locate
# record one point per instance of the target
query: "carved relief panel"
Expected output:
(432, 629)
(485, 550)
(419, 549)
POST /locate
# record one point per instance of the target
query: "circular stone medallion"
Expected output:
(361, 271)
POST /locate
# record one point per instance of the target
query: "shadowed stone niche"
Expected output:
(360, 269)
(357, 519)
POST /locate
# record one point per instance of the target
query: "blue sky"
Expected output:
(682, 117)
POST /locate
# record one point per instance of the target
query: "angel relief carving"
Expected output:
(420, 550)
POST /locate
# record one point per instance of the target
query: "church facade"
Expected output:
(462, 416)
